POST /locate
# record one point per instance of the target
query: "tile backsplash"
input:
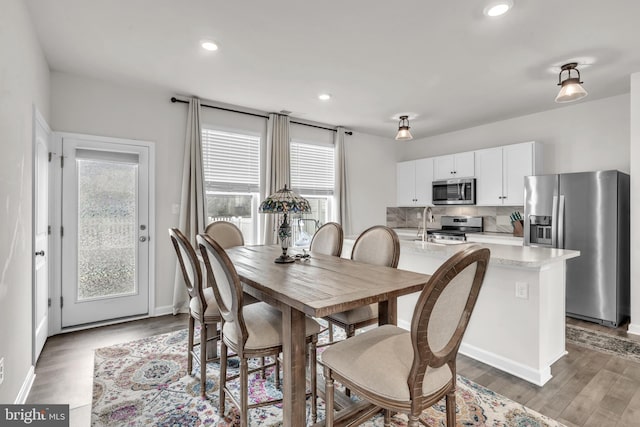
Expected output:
(495, 218)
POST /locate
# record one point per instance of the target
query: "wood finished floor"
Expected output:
(588, 388)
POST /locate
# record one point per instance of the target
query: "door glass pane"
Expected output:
(107, 235)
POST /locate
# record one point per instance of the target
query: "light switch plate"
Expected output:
(522, 290)
(1, 370)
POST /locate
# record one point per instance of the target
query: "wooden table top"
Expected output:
(321, 285)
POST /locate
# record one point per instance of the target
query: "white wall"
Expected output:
(24, 82)
(635, 202)
(91, 106)
(589, 135)
(371, 176)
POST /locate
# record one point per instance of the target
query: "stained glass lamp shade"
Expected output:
(283, 202)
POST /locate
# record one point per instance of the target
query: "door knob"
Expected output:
(143, 239)
(41, 253)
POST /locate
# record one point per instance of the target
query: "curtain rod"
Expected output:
(174, 100)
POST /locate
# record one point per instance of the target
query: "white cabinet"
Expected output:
(500, 173)
(414, 182)
(460, 165)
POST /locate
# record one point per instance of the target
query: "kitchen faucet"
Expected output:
(426, 212)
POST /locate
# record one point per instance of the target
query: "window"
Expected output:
(313, 177)
(231, 163)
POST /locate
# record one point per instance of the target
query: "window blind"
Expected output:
(231, 161)
(312, 168)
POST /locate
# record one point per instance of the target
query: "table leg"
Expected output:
(294, 403)
(388, 312)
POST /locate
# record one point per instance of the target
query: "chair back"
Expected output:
(328, 240)
(443, 310)
(225, 233)
(378, 245)
(190, 266)
(224, 280)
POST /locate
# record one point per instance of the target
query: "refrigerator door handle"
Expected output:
(561, 223)
(554, 222)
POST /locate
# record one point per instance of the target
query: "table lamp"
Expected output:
(282, 202)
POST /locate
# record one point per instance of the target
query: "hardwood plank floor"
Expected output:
(588, 388)
(64, 372)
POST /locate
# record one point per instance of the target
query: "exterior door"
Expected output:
(41, 149)
(105, 218)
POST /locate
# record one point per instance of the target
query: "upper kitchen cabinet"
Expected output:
(500, 173)
(460, 165)
(414, 182)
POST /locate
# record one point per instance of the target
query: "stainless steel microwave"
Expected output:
(461, 191)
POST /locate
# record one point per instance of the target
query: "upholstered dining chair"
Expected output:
(328, 240)
(409, 371)
(378, 245)
(203, 307)
(225, 233)
(249, 331)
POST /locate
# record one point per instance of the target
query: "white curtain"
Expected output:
(192, 201)
(278, 167)
(340, 193)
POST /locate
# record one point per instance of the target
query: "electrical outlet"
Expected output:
(175, 208)
(1, 370)
(522, 290)
(419, 215)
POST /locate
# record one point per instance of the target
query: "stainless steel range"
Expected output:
(455, 228)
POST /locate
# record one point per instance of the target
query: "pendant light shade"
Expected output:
(570, 88)
(403, 129)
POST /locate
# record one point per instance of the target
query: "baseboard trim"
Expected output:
(633, 329)
(536, 376)
(21, 398)
(162, 311)
(404, 324)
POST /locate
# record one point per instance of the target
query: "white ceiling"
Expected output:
(444, 63)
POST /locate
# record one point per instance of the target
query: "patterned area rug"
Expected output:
(144, 383)
(604, 342)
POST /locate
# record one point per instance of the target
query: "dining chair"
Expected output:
(409, 371)
(327, 240)
(203, 307)
(225, 233)
(228, 235)
(250, 331)
(378, 245)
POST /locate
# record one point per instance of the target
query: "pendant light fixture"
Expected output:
(403, 129)
(571, 88)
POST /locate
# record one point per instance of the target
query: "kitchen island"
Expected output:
(518, 324)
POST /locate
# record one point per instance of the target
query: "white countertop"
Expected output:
(502, 236)
(507, 255)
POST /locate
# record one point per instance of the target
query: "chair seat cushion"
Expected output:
(379, 360)
(212, 313)
(356, 315)
(264, 325)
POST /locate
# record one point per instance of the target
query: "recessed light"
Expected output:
(324, 96)
(209, 45)
(498, 8)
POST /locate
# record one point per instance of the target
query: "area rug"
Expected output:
(144, 383)
(604, 342)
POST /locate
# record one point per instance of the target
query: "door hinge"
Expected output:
(61, 161)
(61, 302)
(48, 229)
(61, 231)
(50, 156)
(49, 302)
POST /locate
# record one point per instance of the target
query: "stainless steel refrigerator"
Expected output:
(588, 212)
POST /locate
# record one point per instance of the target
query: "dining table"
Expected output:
(316, 286)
